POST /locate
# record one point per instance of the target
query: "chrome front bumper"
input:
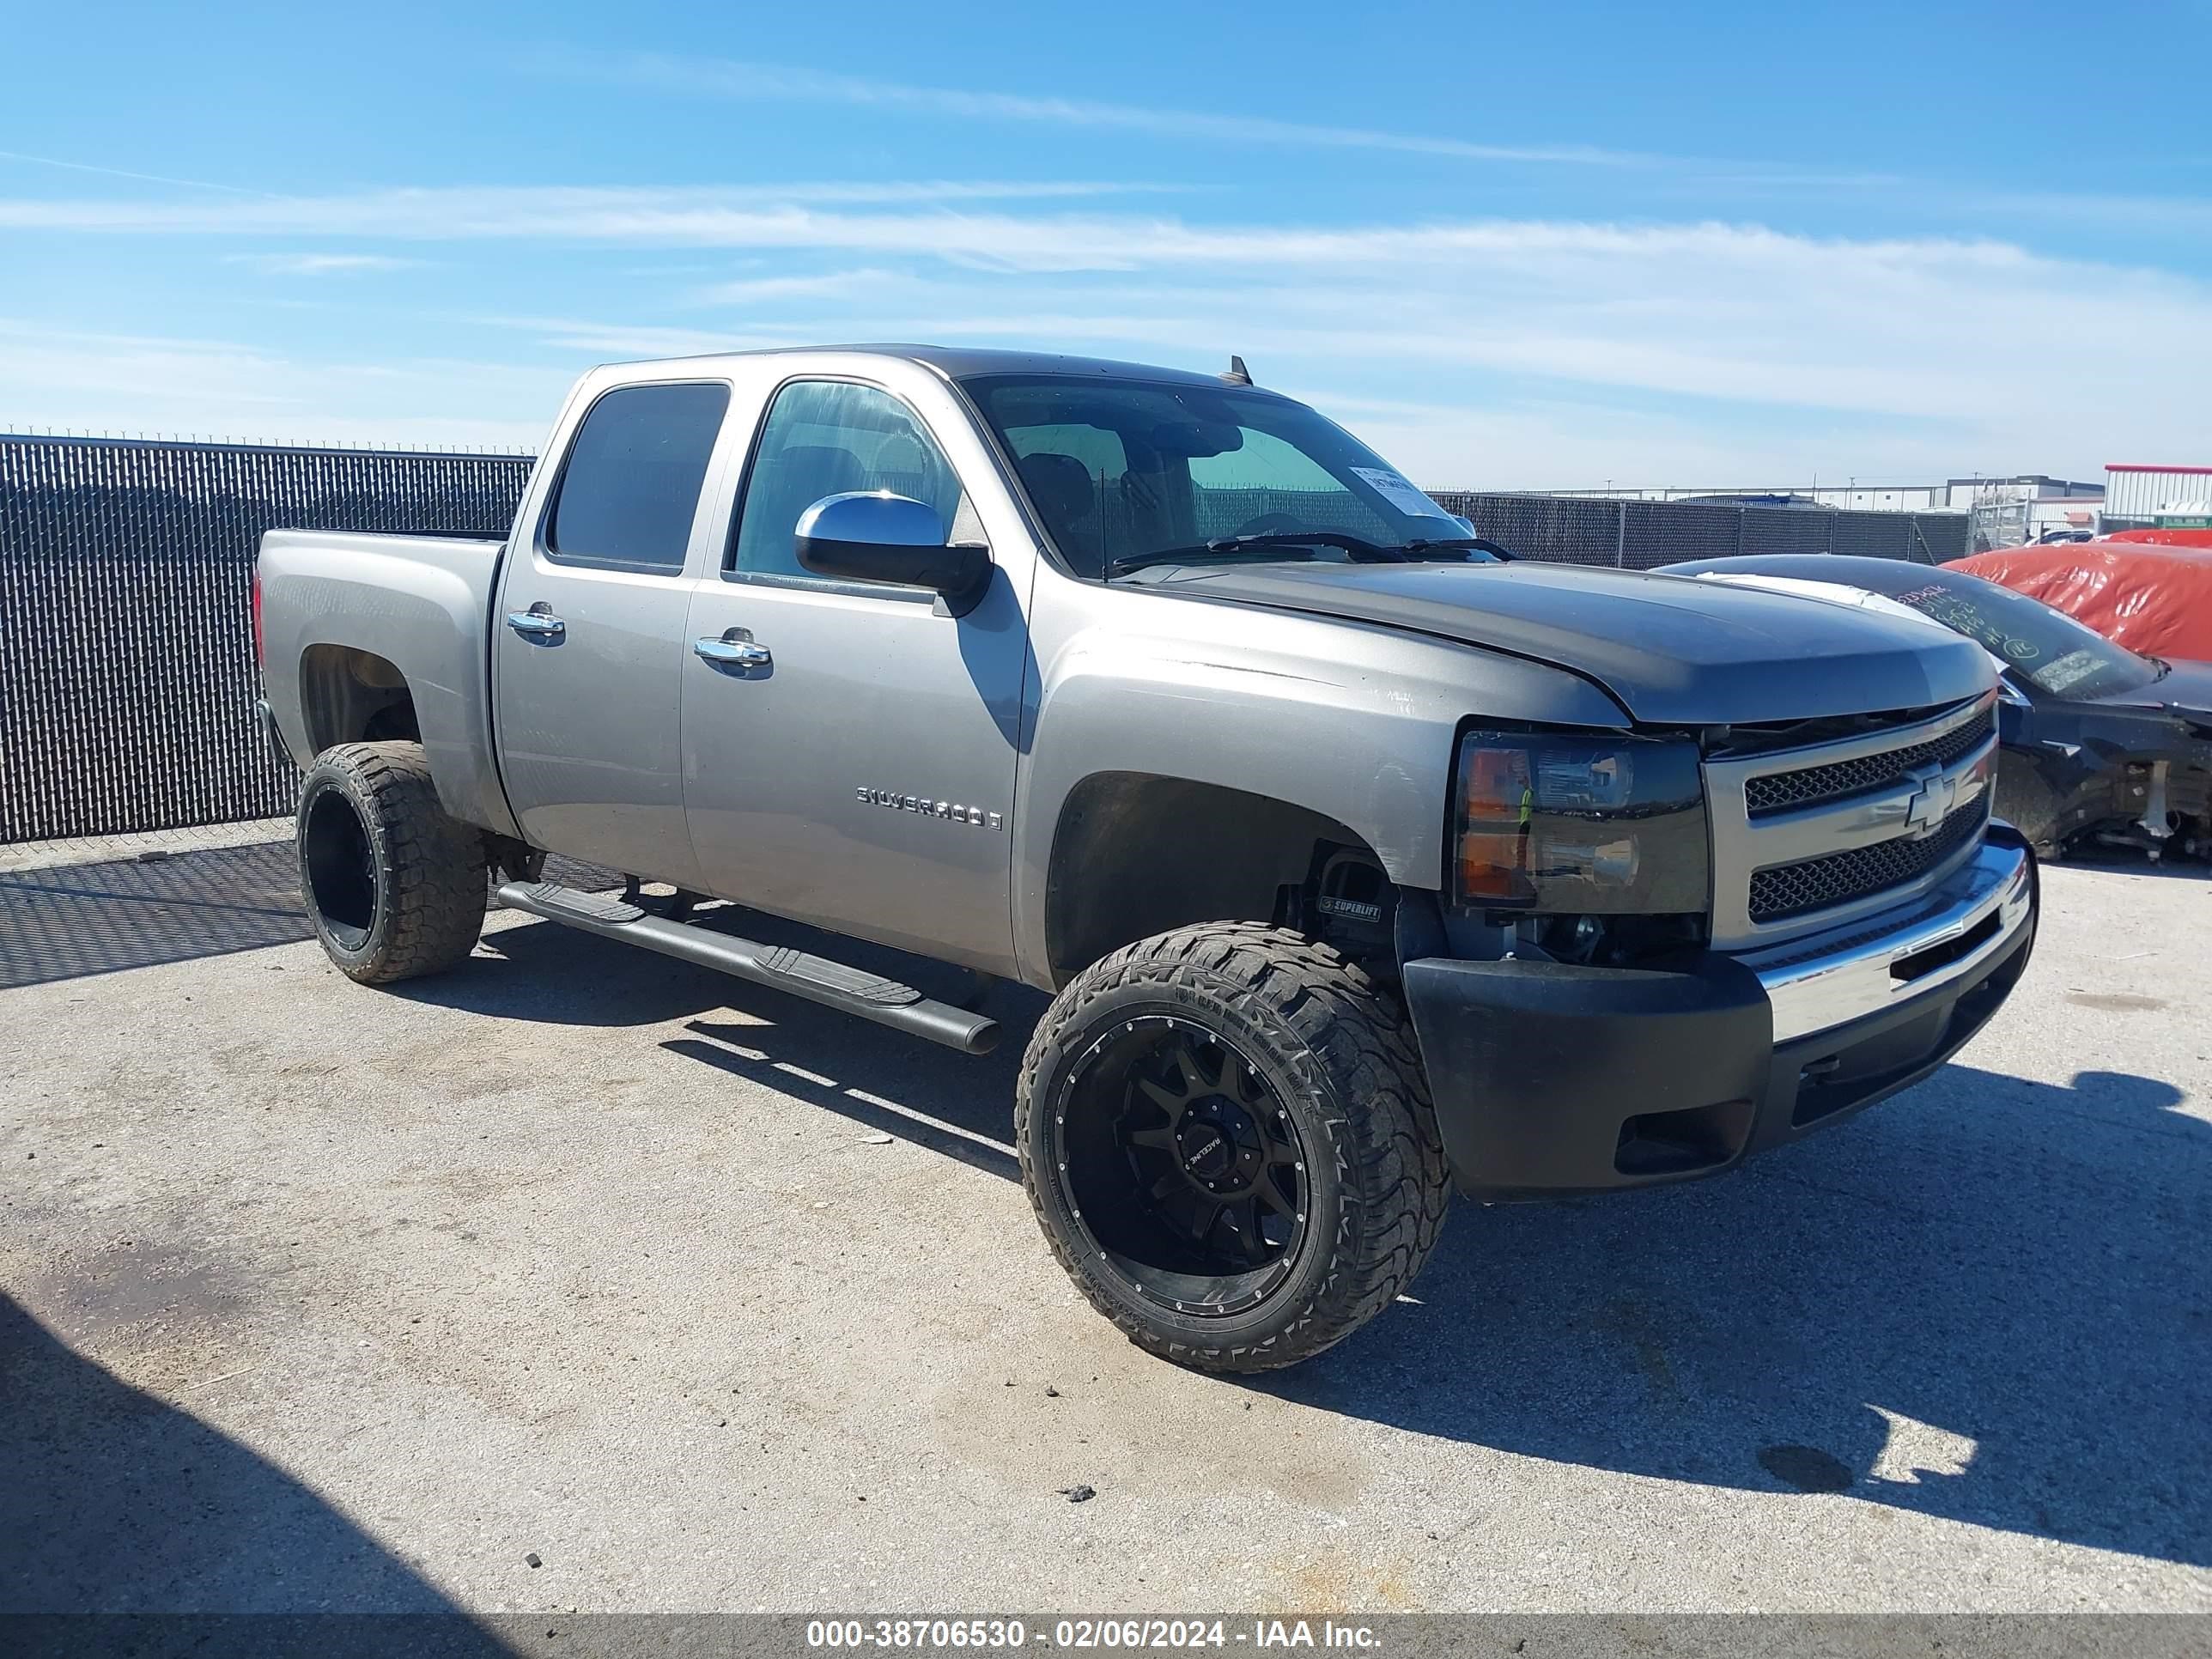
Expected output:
(1878, 963)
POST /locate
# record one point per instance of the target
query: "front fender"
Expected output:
(1351, 721)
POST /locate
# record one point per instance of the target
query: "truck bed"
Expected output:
(337, 607)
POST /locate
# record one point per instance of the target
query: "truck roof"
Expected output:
(966, 363)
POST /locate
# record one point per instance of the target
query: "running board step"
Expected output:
(834, 984)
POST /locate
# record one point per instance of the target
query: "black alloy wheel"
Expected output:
(339, 865)
(1181, 1166)
(1226, 1133)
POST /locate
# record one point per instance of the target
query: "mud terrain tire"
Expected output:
(1321, 1053)
(394, 886)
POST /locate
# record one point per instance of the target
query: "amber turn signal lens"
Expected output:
(1495, 784)
(1494, 864)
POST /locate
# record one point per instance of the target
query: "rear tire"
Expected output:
(1226, 1134)
(394, 886)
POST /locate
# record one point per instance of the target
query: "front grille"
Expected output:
(1777, 792)
(1792, 889)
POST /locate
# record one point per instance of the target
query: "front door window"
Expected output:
(826, 438)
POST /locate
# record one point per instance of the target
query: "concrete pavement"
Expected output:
(702, 1298)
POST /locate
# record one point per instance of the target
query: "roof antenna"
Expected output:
(1237, 375)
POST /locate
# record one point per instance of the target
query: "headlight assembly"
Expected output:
(1561, 824)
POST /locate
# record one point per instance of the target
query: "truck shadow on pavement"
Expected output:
(884, 1081)
(114, 1502)
(545, 972)
(1986, 1300)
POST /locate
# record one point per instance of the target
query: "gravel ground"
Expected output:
(583, 1279)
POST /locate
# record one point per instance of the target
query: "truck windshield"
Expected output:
(2047, 648)
(1124, 472)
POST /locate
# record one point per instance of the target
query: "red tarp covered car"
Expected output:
(2164, 537)
(2153, 599)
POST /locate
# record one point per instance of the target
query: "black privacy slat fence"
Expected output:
(127, 658)
(1641, 535)
(126, 649)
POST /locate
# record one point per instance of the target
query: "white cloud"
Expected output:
(760, 290)
(1560, 444)
(734, 79)
(127, 385)
(765, 215)
(602, 342)
(123, 173)
(319, 265)
(1712, 179)
(1917, 355)
(820, 217)
(1553, 341)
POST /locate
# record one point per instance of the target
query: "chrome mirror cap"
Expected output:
(874, 518)
(893, 540)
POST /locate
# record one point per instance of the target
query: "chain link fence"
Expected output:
(127, 658)
(1637, 535)
(126, 652)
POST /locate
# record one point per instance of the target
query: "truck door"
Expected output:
(849, 748)
(588, 634)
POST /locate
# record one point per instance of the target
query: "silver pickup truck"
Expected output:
(1362, 863)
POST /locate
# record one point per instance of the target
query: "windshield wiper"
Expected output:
(1358, 549)
(1421, 546)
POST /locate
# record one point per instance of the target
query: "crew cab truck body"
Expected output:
(1361, 863)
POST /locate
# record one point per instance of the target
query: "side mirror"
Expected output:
(2015, 714)
(873, 536)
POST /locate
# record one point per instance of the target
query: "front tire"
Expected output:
(1227, 1137)
(394, 886)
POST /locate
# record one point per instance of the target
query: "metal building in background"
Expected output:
(126, 660)
(2151, 495)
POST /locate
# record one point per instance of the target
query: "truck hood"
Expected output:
(2186, 691)
(1671, 650)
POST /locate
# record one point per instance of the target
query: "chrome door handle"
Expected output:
(732, 653)
(535, 624)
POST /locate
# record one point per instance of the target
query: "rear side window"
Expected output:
(630, 489)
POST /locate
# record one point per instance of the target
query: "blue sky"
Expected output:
(1516, 246)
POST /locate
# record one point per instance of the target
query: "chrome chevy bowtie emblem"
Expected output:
(1931, 803)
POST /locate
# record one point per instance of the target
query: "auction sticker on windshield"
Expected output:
(1399, 493)
(2074, 666)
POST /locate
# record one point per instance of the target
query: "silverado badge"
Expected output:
(929, 807)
